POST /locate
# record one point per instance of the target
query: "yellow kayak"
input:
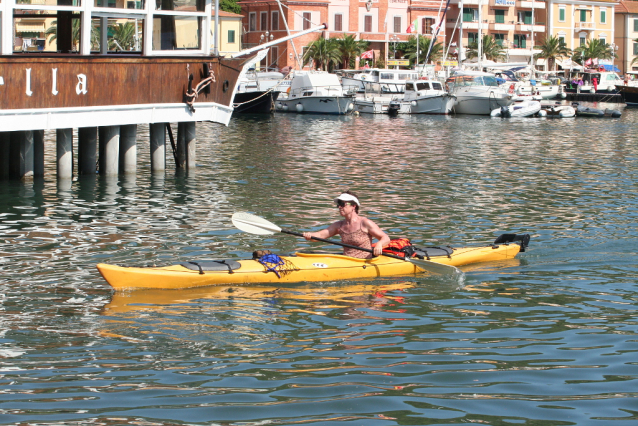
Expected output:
(300, 267)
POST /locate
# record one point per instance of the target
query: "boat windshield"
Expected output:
(473, 80)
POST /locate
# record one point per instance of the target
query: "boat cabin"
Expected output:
(605, 80)
(471, 78)
(314, 83)
(418, 88)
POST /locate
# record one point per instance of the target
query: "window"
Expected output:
(338, 22)
(499, 17)
(274, 25)
(426, 26)
(274, 56)
(603, 40)
(367, 23)
(582, 41)
(470, 15)
(252, 21)
(472, 38)
(307, 16)
(561, 14)
(397, 24)
(636, 25)
(635, 48)
(263, 21)
(561, 39)
(603, 16)
(231, 36)
(520, 41)
(499, 38)
(525, 17)
(583, 16)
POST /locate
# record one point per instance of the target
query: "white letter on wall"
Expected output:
(80, 88)
(54, 88)
(29, 92)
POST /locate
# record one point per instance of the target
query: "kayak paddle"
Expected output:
(258, 225)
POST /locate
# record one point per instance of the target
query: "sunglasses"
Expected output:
(341, 203)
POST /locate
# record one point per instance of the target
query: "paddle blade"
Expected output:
(435, 268)
(254, 224)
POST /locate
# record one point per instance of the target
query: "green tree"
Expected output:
(324, 53)
(491, 49)
(553, 48)
(350, 48)
(594, 49)
(123, 36)
(424, 45)
(52, 34)
(230, 6)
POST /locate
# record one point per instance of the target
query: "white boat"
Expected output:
(316, 92)
(379, 104)
(519, 82)
(375, 79)
(428, 97)
(583, 82)
(518, 109)
(477, 92)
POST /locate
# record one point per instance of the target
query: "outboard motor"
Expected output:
(505, 112)
(393, 108)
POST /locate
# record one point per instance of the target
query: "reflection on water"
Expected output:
(547, 338)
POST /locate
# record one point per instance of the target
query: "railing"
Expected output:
(317, 91)
(584, 26)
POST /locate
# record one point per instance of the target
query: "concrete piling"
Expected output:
(158, 146)
(87, 150)
(109, 147)
(64, 153)
(128, 148)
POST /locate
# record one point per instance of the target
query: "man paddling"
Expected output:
(354, 229)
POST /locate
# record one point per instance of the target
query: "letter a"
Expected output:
(80, 88)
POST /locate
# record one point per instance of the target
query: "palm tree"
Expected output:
(424, 46)
(52, 34)
(324, 52)
(124, 35)
(349, 48)
(594, 49)
(491, 49)
(551, 49)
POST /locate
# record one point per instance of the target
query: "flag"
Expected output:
(588, 62)
(368, 55)
(413, 27)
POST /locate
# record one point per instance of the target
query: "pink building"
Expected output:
(381, 22)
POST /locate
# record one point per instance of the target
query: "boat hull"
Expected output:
(53, 92)
(442, 104)
(255, 102)
(480, 102)
(336, 105)
(302, 267)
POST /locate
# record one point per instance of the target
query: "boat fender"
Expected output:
(511, 90)
(212, 265)
(512, 238)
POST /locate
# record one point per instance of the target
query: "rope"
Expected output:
(191, 95)
(263, 94)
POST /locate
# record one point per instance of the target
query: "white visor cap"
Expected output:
(347, 197)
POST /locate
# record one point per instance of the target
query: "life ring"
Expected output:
(423, 78)
(511, 90)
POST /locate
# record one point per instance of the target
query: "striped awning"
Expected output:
(29, 28)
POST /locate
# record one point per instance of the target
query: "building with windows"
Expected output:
(230, 29)
(626, 35)
(381, 22)
(515, 24)
(577, 22)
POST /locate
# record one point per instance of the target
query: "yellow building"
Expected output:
(577, 22)
(626, 31)
(229, 34)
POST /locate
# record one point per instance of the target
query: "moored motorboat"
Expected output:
(428, 97)
(518, 109)
(316, 92)
(302, 267)
(477, 93)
